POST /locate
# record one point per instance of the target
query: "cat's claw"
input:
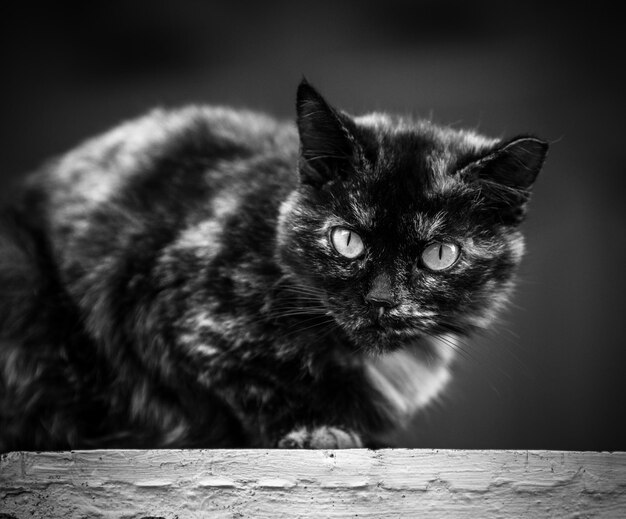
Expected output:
(324, 437)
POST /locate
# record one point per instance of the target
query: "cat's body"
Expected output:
(191, 279)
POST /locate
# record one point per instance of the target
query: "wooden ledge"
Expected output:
(339, 483)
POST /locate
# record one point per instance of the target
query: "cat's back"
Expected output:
(148, 178)
(163, 155)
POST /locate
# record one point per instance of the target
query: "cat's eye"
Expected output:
(346, 242)
(440, 256)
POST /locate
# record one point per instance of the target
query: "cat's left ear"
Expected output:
(514, 163)
(507, 173)
(328, 146)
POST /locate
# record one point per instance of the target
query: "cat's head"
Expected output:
(402, 228)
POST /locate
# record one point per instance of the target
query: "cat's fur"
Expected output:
(172, 283)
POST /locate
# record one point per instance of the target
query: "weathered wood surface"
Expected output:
(345, 483)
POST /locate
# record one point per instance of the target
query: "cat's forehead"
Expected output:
(417, 149)
(410, 159)
(390, 214)
(408, 180)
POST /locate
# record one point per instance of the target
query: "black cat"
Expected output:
(208, 277)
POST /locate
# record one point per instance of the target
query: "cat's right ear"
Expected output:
(328, 147)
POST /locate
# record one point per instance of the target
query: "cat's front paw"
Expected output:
(324, 437)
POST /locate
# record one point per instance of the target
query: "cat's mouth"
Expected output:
(390, 329)
(382, 330)
(386, 328)
(377, 339)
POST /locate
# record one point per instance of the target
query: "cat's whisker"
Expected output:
(283, 312)
(301, 329)
(457, 345)
(297, 309)
(289, 312)
(267, 318)
(294, 315)
(309, 319)
(301, 300)
(298, 302)
(298, 292)
(326, 157)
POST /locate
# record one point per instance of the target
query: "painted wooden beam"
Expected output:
(339, 483)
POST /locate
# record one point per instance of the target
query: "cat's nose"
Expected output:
(380, 296)
(380, 302)
(379, 305)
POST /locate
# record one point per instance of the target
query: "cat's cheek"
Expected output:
(420, 315)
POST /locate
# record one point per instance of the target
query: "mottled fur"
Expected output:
(172, 283)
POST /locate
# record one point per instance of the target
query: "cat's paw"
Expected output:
(324, 437)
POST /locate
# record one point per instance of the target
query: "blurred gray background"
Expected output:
(554, 373)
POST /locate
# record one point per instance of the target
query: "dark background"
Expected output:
(554, 373)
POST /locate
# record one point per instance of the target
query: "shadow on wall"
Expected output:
(549, 376)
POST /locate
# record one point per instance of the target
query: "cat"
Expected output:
(213, 277)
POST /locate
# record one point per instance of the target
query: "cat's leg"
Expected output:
(322, 437)
(398, 384)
